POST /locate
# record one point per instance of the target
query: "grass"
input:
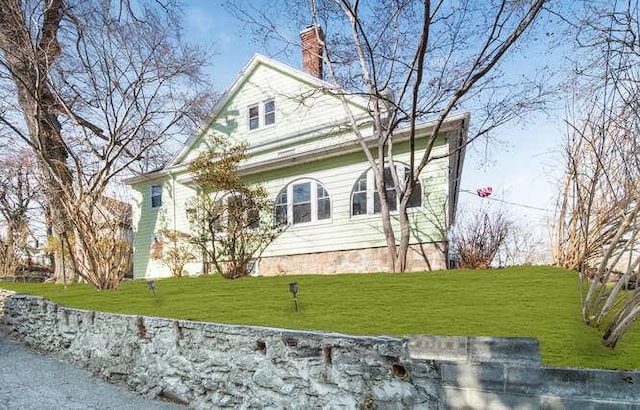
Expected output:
(540, 302)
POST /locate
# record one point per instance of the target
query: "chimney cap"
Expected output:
(311, 27)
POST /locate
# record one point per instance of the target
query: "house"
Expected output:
(113, 219)
(302, 150)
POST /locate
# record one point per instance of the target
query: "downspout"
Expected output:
(173, 198)
(453, 202)
(458, 173)
(447, 212)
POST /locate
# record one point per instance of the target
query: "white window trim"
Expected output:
(151, 196)
(371, 190)
(249, 108)
(314, 202)
(262, 115)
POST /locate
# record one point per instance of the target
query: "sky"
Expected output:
(522, 168)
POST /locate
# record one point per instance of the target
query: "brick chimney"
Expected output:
(312, 47)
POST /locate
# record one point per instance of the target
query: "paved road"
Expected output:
(32, 381)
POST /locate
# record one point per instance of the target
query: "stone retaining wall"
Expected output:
(207, 365)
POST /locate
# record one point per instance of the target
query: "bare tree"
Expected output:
(178, 253)
(101, 85)
(414, 61)
(522, 247)
(598, 211)
(477, 238)
(18, 198)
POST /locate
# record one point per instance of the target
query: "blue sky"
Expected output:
(522, 169)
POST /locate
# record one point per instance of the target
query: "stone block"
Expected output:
(487, 377)
(446, 348)
(455, 398)
(614, 385)
(547, 381)
(512, 350)
(524, 380)
(564, 403)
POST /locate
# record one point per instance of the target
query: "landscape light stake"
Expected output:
(293, 288)
(152, 287)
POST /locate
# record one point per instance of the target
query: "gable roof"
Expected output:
(256, 61)
(176, 165)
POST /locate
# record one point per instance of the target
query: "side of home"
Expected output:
(304, 152)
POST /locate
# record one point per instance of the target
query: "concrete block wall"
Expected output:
(209, 365)
(514, 350)
(495, 386)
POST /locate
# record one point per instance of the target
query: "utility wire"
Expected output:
(508, 202)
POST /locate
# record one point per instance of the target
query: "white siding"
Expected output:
(303, 112)
(148, 222)
(343, 231)
(307, 119)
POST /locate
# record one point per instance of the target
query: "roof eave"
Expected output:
(457, 122)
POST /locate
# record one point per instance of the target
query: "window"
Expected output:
(365, 200)
(281, 208)
(302, 201)
(324, 203)
(254, 117)
(156, 196)
(391, 193)
(269, 112)
(359, 198)
(262, 115)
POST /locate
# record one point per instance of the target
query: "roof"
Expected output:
(117, 208)
(257, 60)
(252, 65)
(176, 166)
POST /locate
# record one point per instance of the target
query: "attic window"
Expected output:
(234, 213)
(269, 112)
(254, 117)
(262, 115)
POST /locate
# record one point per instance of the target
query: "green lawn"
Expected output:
(539, 302)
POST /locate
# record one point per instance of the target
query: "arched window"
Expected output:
(365, 199)
(301, 201)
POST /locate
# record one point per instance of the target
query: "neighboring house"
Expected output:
(114, 223)
(302, 150)
(115, 215)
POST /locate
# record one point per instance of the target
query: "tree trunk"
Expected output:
(29, 65)
(387, 227)
(9, 267)
(403, 249)
(621, 323)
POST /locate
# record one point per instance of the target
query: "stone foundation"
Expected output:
(421, 257)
